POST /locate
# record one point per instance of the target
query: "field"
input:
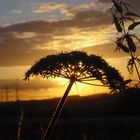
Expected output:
(97, 117)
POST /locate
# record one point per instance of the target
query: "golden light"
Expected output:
(81, 89)
(76, 39)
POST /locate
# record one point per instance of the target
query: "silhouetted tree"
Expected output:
(125, 23)
(77, 67)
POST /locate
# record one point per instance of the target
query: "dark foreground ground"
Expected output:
(101, 117)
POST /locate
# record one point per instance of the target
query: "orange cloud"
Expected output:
(49, 7)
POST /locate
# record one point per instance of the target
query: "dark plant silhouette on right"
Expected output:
(125, 23)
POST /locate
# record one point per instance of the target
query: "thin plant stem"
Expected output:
(57, 112)
(20, 124)
(135, 66)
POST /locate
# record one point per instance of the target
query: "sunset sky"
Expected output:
(32, 29)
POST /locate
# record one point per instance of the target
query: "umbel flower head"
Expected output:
(77, 66)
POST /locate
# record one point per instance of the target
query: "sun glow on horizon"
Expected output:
(82, 89)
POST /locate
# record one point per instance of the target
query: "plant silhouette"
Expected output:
(125, 23)
(77, 67)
